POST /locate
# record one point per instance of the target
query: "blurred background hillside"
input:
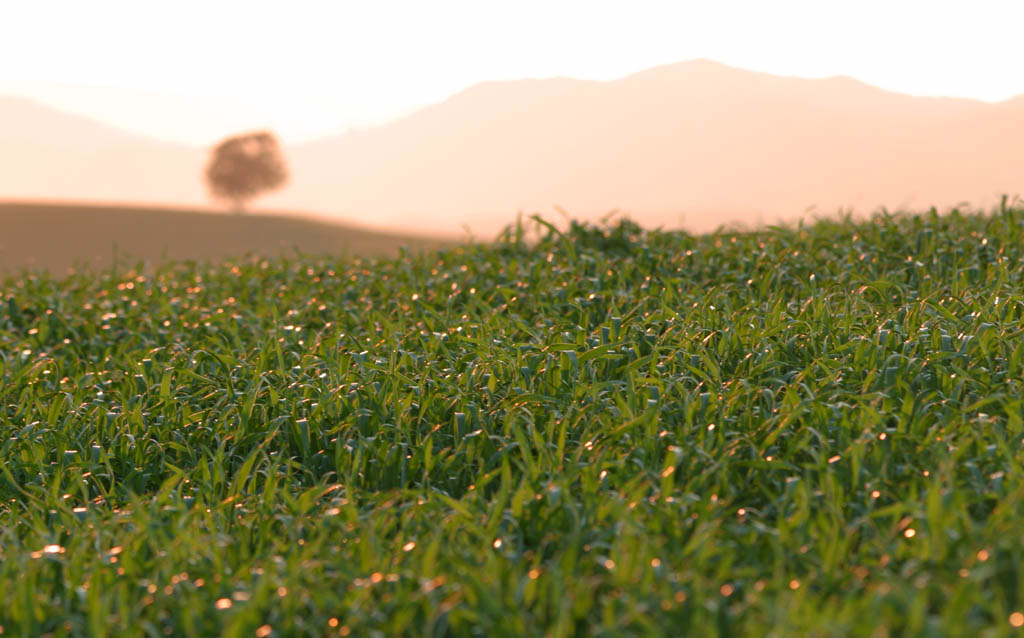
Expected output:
(447, 122)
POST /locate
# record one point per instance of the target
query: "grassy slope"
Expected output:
(806, 432)
(59, 236)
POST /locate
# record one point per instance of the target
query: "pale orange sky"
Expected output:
(193, 71)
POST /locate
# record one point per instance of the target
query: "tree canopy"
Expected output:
(244, 166)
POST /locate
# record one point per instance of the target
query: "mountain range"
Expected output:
(695, 144)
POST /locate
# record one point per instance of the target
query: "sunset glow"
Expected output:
(194, 71)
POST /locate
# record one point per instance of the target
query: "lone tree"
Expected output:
(244, 166)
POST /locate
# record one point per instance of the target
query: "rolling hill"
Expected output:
(57, 237)
(694, 144)
(49, 154)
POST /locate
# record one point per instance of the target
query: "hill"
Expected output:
(59, 236)
(697, 143)
(49, 154)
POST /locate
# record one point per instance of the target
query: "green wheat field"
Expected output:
(812, 430)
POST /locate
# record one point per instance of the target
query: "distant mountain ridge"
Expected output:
(50, 154)
(22, 118)
(695, 144)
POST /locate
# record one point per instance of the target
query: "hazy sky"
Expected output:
(194, 70)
